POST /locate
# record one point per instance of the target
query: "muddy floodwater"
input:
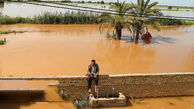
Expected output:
(67, 50)
(44, 50)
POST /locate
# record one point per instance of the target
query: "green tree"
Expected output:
(102, 2)
(117, 21)
(169, 7)
(143, 14)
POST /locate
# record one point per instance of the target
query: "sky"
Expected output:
(161, 2)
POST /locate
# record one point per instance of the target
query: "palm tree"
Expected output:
(116, 21)
(143, 14)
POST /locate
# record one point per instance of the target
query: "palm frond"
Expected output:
(152, 5)
(146, 4)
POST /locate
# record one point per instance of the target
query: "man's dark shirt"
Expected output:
(96, 68)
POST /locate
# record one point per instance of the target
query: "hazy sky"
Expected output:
(161, 2)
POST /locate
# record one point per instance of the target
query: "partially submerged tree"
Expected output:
(117, 21)
(144, 15)
(136, 18)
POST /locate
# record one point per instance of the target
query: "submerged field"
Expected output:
(13, 9)
(67, 50)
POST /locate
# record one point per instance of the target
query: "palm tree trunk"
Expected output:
(137, 34)
(119, 33)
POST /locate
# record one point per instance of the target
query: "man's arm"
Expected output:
(97, 69)
(89, 71)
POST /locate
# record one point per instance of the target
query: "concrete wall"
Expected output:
(136, 85)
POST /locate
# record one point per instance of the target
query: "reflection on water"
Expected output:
(68, 49)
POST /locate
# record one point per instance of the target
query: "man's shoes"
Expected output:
(96, 90)
(89, 90)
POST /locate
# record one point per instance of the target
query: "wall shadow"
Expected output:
(14, 100)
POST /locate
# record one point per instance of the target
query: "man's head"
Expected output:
(93, 62)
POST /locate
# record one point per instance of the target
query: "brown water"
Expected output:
(68, 49)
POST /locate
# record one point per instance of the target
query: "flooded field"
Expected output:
(54, 50)
(29, 10)
(67, 50)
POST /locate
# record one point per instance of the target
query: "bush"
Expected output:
(174, 22)
(3, 41)
(62, 94)
(83, 103)
(66, 1)
(170, 7)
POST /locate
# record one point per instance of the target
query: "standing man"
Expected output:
(93, 72)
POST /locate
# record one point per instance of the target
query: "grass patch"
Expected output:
(170, 103)
(54, 18)
(175, 22)
(66, 18)
(179, 98)
(82, 103)
(3, 41)
(13, 31)
(14, 20)
(135, 101)
(62, 94)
